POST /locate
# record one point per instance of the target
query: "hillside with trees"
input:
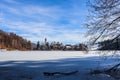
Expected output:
(109, 44)
(11, 41)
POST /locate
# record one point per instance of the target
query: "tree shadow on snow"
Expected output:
(33, 70)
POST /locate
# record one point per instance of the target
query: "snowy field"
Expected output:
(30, 65)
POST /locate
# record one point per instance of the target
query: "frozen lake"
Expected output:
(30, 65)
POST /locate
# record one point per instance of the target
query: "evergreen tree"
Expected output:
(38, 45)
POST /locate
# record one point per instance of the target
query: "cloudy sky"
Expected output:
(56, 20)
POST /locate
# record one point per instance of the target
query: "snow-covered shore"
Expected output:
(48, 55)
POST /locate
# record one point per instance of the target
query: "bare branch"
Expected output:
(105, 18)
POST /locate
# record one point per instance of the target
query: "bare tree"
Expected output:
(104, 19)
(104, 23)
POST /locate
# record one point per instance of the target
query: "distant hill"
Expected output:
(11, 41)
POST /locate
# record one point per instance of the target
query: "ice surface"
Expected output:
(30, 65)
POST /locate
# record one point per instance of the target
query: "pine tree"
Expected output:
(38, 45)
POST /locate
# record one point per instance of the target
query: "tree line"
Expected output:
(11, 41)
(60, 46)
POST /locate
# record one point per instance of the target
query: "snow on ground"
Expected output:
(41, 55)
(30, 65)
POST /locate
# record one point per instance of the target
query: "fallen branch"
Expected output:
(95, 72)
(58, 73)
(114, 72)
(114, 68)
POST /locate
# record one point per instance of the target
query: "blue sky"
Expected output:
(56, 20)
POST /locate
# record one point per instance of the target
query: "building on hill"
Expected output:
(68, 47)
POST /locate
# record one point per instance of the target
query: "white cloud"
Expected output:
(38, 31)
(45, 26)
(11, 1)
(44, 11)
(37, 12)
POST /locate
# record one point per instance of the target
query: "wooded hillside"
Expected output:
(11, 41)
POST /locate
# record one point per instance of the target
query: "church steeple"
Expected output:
(45, 40)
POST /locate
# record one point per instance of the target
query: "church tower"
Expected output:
(45, 40)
